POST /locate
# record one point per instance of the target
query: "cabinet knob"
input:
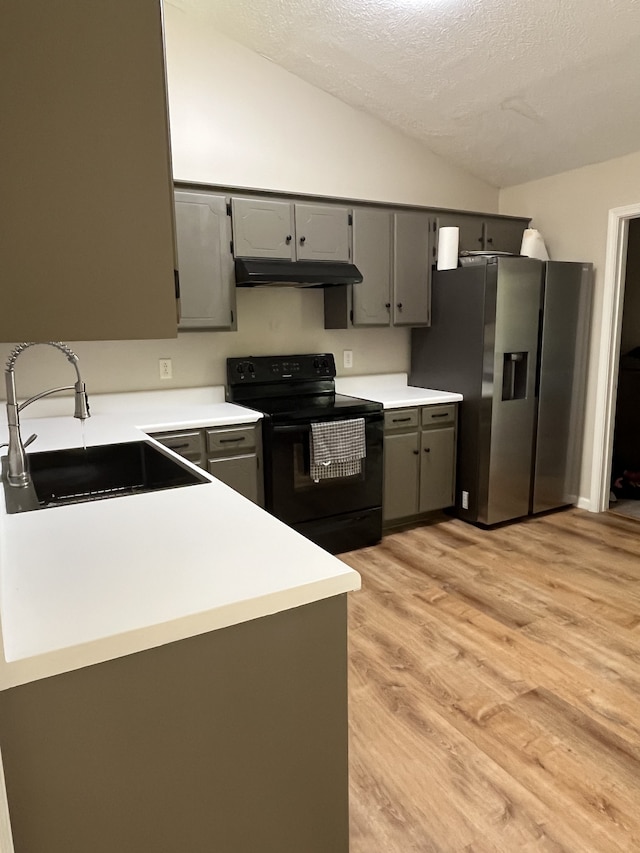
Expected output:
(287, 239)
(416, 452)
(399, 306)
(302, 241)
(427, 450)
(490, 240)
(387, 305)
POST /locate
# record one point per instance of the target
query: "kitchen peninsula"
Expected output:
(174, 663)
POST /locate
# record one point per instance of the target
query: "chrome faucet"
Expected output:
(17, 471)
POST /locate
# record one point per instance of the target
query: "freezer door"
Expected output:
(563, 370)
(511, 351)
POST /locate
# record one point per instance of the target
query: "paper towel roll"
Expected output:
(448, 247)
(533, 245)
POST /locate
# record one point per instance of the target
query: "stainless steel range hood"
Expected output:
(278, 273)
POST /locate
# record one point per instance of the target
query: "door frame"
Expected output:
(609, 351)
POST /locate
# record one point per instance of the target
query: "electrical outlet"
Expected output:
(347, 358)
(166, 370)
(465, 500)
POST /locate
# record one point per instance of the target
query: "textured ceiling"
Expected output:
(507, 89)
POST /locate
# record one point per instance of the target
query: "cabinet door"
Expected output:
(401, 466)
(87, 239)
(262, 228)
(471, 230)
(411, 269)
(372, 255)
(504, 235)
(322, 232)
(239, 472)
(205, 263)
(437, 468)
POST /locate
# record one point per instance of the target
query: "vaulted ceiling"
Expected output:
(509, 90)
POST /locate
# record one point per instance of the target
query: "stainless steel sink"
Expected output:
(61, 477)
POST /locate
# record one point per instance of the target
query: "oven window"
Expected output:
(302, 469)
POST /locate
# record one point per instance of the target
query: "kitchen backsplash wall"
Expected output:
(286, 320)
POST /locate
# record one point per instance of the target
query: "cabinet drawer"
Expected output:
(438, 415)
(401, 419)
(185, 443)
(234, 438)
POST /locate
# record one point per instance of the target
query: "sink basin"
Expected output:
(61, 477)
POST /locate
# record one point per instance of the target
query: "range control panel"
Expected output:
(280, 368)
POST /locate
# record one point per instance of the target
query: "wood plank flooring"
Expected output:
(495, 688)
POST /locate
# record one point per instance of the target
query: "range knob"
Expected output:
(240, 367)
(251, 368)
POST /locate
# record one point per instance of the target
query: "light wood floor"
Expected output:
(495, 688)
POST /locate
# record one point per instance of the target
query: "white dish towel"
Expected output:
(337, 449)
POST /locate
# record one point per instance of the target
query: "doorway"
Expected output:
(611, 347)
(625, 457)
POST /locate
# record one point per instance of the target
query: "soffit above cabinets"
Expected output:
(509, 90)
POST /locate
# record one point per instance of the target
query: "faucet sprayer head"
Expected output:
(82, 402)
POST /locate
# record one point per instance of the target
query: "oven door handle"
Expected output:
(292, 428)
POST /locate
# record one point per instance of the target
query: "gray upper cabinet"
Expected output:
(485, 233)
(205, 263)
(411, 305)
(372, 252)
(322, 232)
(271, 228)
(504, 235)
(87, 244)
(471, 230)
(393, 252)
(262, 228)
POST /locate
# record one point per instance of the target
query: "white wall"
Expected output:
(239, 120)
(571, 211)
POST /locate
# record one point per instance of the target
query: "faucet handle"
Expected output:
(30, 440)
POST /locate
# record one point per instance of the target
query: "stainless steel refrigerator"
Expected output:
(511, 335)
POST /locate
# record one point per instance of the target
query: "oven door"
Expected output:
(293, 496)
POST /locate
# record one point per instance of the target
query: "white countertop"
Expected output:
(86, 583)
(392, 390)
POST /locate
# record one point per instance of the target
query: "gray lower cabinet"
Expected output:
(484, 233)
(273, 228)
(419, 461)
(232, 454)
(437, 466)
(189, 444)
(401, 471)
(232, 741)
(205, 262)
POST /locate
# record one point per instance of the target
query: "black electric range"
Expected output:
(293, 392)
